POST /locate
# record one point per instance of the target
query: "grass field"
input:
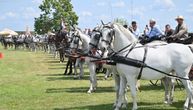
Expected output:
(34, 81)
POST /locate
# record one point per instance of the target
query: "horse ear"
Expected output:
(73, 27)
(102, 22)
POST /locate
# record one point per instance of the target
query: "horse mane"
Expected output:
(126, 32)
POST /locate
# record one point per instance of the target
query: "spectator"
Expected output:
(155, 32)
(168, 30)
(181, 31)
(134, 29)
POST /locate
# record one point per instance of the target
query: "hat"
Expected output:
(152, 20)
(180, 17)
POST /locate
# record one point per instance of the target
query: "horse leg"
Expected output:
(123, 84)
(93, 83)
(75, 67)
(189, 102)
(166, 87)
(132, 84)
(138, 85)
(67, 65)
(108, 73)
(81, 69)
(172, 90)
(71, 64)
(117, 87)
(60, 53)
(188, 86)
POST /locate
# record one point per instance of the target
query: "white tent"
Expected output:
(7, 31)
(51, 34)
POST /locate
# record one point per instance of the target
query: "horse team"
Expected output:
(104, 49)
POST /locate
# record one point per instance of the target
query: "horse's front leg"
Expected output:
(81, 69)
(132, 84)
(121, 95)
(93, 82)
(75, 68)
(117, 87)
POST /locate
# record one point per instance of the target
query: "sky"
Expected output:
(18, 14)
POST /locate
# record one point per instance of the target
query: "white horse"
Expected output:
(167, 58)
(79, 42)
(168, 83)
(86, 46)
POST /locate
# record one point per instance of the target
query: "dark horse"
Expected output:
(61, 41)
(62, 44)
(7, 42)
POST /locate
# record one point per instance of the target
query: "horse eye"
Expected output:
(97, 37)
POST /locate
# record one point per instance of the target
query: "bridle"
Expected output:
(97, 38)
(131, 46)
(111, 34)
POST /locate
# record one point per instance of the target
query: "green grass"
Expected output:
(34, 81)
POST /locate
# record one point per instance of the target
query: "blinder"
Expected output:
(111, 34)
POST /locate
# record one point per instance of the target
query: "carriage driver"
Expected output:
(181, 31)
(154, 33)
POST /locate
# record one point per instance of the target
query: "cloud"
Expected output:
(137, 11)
(105, 18)
(2, 18)
(166, 3)
(101, 4)
(30, 12)
(11, 14)
(86, 14)
(190, 8)
(37, 1)
(8, 15)
(119, 4)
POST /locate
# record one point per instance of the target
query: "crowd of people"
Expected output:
(153, 31)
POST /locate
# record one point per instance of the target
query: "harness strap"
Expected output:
(132, 47)
(142, 66)
(191, 49)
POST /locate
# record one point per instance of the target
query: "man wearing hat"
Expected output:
(181, 31)
(154, 33)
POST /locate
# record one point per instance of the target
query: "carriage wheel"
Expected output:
(154, 83)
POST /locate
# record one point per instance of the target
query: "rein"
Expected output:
(114, 58)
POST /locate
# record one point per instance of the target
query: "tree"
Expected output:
(121, 21)
(52, 13)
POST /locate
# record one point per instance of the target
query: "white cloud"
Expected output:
(8, 15)
(2, 18)
(167, 3)
(119, 4)
(137, 11)
(37, 1)
(105, 18)
(11, 14)
(86, 14)
(30, 12)
(101, 4)
(190, 8)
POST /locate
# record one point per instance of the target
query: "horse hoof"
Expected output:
(191, 108)
(117, 108)
(69, 73)
(185, 108)
(114, 105)
(89, 92)
(124, 106)
(165, 102)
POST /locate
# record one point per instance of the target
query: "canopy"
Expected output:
(8, 32)
(51, 34)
